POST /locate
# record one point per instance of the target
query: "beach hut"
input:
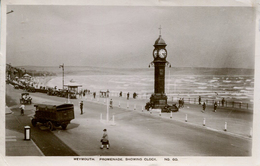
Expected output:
(27, 77)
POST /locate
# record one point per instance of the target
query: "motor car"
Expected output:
(25, 98)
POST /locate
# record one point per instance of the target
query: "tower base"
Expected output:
(158, 100)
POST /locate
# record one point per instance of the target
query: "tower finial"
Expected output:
(160, 30)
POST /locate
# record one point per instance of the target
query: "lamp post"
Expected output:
(62, 66)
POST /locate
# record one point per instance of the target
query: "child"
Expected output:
(104, 140)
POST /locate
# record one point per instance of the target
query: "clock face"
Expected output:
(162, 53)
(154, 53)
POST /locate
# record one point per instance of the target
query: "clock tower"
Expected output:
(159, 99)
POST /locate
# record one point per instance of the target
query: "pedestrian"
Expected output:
(199, 100)
(104, 141)
(120, 94)
(94, 95)
(22, 108)
(128, 96)
(107, 93)
(84, 94)
(203, 107)
(81, 94)
(223, 102)
(111, 103)
(215, 106)
(81, 107)
(182, 102)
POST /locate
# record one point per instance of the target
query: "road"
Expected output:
(133, 134)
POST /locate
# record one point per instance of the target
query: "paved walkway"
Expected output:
(233, 121)
(15, 142)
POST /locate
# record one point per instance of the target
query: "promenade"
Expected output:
(234, 121)
(238, 121)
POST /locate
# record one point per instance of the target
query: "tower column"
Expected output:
(158, 99)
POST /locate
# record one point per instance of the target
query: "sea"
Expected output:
(212, 83)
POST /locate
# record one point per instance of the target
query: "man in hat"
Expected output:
(203, 107)
(111, 103)
(104, 140)
(81, 107)
(215, 106)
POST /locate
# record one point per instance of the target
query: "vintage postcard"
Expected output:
(129, 83)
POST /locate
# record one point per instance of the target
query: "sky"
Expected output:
(123, 36)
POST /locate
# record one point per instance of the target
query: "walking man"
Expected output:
(104, 140)
(128, 96)
(180, 103)
(203, 107)
(81, 107)
(111, 103)
(22, 108)
(215, 106)
(199, 100)
(223, 102)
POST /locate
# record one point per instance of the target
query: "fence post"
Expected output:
(204, 122)
(225, 129)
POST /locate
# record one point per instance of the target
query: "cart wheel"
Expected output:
(50, 125)
(34, 122)
(64, 126)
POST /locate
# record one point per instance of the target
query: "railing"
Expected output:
(194, 100)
